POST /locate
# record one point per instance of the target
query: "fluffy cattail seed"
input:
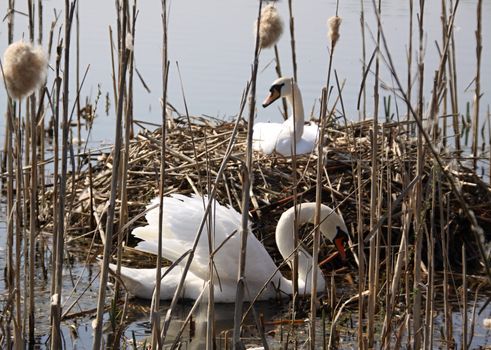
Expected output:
(24, 68)
(270, 28)
(333, 24)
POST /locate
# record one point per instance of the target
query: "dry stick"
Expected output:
(464, 298)
(372, 263)
(292, 40)
(155, 312)
(476, 230)
(11, 269)
(318, 199)
(56, 302)
(113, 195)
(225, 159)
(430, 239)
(477, 80)
(33, 217)
(210, 310)
(55, 106)
(247, 185)
(10, 185)
(452, 75)
(388, 254)
(128, 128)
(410, 63)
(277, 68)
(193, 142)
(364, 69)
(30, 243)
(77, 78)
(295, 221)
(361, 255)
(418, 195)
(446, 312)
(19, 228)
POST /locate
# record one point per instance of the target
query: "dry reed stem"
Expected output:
(247, 173)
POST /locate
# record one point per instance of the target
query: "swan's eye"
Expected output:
(276, 87)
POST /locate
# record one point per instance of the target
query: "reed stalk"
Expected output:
(292, 39)
(58, 275)
(363, 63)
(361, 255)
(418, 194)
(123, 66)
(477, 81)
(277, 68)
(155, 313)
(18, 214)
(318, 199)
(452, 70)
(247, 185)
(410, 61)
(464, 299)
(372, 264)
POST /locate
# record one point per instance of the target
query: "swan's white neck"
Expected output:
(295, 100)
(284, 239)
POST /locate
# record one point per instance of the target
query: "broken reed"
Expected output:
(402, 213)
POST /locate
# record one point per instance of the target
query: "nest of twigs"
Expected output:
(195, 150)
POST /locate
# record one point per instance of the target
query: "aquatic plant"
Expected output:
(24, 68)
(270, 27)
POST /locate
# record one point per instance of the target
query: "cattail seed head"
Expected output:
(333, 24)
(270, 28)
(24, 68)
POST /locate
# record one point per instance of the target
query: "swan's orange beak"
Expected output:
(339, 243)
(274, 94)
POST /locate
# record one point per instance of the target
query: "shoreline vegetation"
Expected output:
(417, 205)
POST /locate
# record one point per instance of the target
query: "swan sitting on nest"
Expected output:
(279, 137)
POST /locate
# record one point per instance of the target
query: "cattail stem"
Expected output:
(477, 81)
(248, 183)
(114, 190)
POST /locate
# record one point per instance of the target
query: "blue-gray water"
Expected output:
(213, 43)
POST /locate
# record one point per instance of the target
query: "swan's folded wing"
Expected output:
(265, 136)
(181, 222)
(308, 142)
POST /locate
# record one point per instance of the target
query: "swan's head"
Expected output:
(281, 87)
(334, 229)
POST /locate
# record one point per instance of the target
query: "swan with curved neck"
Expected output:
(182, 216)
(291, 136)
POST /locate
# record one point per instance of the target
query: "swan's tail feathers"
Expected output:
(147, 233)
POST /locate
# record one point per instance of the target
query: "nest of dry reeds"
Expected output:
(195, 150)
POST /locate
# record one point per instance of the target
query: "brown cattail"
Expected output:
(24, 68)
(271, 27)
(333, 24)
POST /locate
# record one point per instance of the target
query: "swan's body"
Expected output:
(279, 137)
(182, 216)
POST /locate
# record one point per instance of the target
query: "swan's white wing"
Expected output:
(182, 216)
(308, 142)
(265, 136)
(141, 282)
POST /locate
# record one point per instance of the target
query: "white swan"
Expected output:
(278, 137)
(181, 219)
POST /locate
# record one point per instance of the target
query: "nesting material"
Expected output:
(270, 28)
(24, 68)
(333, 24)
(189, 170)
